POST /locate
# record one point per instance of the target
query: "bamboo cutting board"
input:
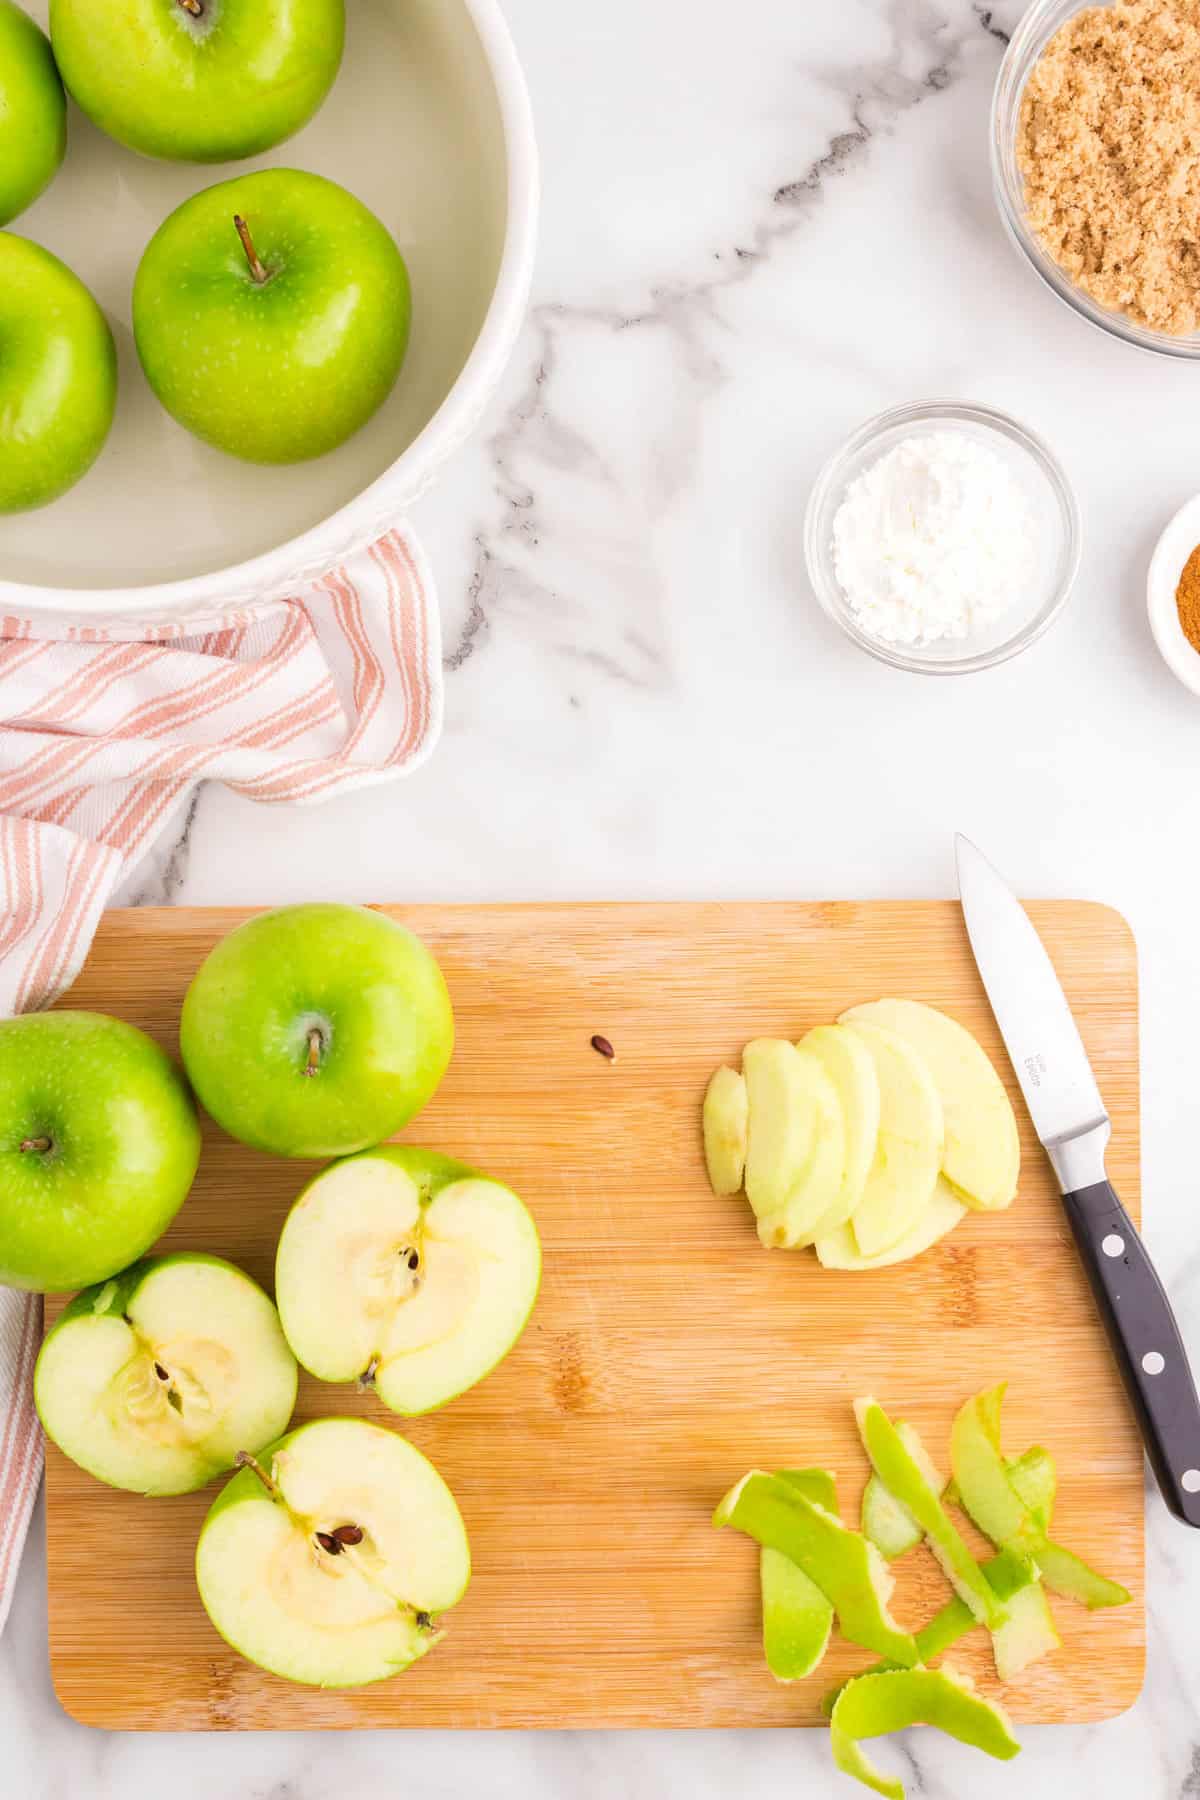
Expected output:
(667, 1352)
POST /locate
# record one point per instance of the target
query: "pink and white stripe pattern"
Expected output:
(103, 732)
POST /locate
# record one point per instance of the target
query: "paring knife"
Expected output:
(1069, 1116)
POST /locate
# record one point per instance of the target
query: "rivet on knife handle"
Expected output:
(1145, 1340)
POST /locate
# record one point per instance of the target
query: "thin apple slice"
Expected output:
(886, 1520)
(908, 1149)
(839, 1249)
(823, 1177)
(328, 1559)
(725, 1120)
(876, 1705)
(782, 1122)
(153, 1381)
(851, 1068)
(982, 1153)
(409, 1269)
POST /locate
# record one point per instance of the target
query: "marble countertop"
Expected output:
(761, 225)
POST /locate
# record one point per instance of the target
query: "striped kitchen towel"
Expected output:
(105, 729)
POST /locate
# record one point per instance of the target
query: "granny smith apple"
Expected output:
(58, 376)
(316, 1030)
(33, 112)
(198, 80)
(328, 1558)
(271, 314)
(404, 1268)
(98, 1146)
(154, 1380)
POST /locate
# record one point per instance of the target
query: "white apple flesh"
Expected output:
(328, 1558)
(408, 1269)
(153, 1381)
(908, 1149)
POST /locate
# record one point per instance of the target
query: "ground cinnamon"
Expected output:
(1187, 599)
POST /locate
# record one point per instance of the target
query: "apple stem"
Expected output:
(38, 1143)
(315, 1044)
(244, 1460)
(366, 1380)
(193, 7)
(257, 271)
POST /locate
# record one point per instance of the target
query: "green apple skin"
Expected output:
(288, 364)
(33, 112)
(371, 992)
(58, 376)
(231, 80)
(123, 1144)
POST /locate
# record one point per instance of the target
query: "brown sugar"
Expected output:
(1187, 599)
(1109, 145)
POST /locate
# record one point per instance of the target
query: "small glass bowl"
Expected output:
(1038, 25)
(1056, 521)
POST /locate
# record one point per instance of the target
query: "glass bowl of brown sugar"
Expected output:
(1143, 302)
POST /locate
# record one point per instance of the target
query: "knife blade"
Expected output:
(1070, 1118)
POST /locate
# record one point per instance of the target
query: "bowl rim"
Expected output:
(1033, 31)
(382, 503)
(1176, 541)
(931, 413)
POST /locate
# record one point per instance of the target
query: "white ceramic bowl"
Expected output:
(429, 123)
(1166, 566)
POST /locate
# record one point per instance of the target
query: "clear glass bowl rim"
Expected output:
(1037, 25)
(933, 412)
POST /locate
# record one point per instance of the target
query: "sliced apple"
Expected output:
(851, 1068)
(153, 1381)
(823, 1176)
(982, 1152)
(782, 1122)
(725, 1116)
(908, 1148)
(328, 1558)
(876, 1705)
(839, 1250)
(407, 1269)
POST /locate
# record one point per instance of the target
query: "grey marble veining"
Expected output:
(761, 225)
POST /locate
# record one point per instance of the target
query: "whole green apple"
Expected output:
(271, 315)
(198, 80)
(58, 376)
(98, 1146)
(316, 1030)
(33, 112)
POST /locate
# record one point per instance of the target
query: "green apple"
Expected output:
(271, 314)
(198, 80)
(981, 1156)
(316, 1030)
(154, 1380)
(98, 1147)
(33, 112)
(797, 1618)
(58, 375)
(404, 1268)
(874, 1705)
(329, 1556)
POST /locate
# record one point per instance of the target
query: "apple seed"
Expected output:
(161, 1372)
(328, 1542)
(605, 1049)
(348, 1534)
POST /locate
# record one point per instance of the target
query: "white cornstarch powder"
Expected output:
(934, 540)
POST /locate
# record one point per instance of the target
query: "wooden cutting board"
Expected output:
(667, 1352)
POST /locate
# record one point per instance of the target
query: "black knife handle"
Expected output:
(1145, 1340)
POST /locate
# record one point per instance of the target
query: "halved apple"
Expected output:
(725, 1120)
(908, 1148)
(153, 1381)
(402, 1267)
(839, 1250)
(328, 1558)
(982, 1152)
(821, 1180)
(851, 1068)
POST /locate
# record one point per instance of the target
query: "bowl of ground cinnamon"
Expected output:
(1173, 594)
(1096, 162)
